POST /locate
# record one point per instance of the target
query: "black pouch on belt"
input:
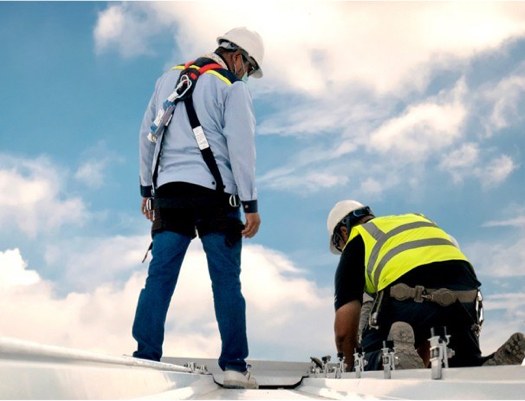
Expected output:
(181, 221)
(231, 227)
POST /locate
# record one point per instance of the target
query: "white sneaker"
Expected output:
(235, 379)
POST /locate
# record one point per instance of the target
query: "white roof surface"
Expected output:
(33, 371)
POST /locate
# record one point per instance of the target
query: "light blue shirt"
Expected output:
(225, 111)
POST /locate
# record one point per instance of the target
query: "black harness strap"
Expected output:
(204, 146)
(193, 74)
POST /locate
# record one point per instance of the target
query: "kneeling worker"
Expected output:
(419, 278)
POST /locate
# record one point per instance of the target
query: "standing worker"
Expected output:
(197, 169)
(419, 278)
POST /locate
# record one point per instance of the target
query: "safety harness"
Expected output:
(183, 92)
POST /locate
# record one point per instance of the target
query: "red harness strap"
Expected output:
(201, 70)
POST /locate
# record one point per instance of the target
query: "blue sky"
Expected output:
(403, 106)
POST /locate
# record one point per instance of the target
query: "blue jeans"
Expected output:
(224, 261)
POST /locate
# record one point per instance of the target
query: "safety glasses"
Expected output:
(252, 65)
(348, 221)
(337, 239)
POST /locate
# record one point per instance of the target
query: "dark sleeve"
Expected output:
(350, 274)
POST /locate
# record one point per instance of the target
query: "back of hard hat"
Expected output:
(248, 40)
(338, 212)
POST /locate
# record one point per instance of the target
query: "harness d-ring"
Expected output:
(234, 201)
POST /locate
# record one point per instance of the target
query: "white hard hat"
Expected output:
(338, 213)
(249, 41)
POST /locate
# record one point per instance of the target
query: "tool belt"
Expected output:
(441, 296)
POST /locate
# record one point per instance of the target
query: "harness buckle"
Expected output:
(420, 294)
(234, 201)
(149, 204)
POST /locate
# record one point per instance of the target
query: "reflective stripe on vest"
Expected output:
(395, 245)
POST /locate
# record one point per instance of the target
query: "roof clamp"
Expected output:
(439, 352)
(316, 366)
(324, 367)
(389, 359)
(327, 368)
(194, 368)
(359, 362)
(341, 366)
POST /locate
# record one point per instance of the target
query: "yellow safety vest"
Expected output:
(394, 245)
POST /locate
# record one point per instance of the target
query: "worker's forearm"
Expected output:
(347, 346)
(345, 328)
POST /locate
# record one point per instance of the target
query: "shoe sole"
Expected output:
(402, 335)
(511, 352)
(238, 386)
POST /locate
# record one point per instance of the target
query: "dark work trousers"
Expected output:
(458, 318)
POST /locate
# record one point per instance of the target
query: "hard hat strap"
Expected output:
(354, 216)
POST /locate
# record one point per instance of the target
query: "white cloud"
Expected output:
(460, 162)
(110, 25)
(96, 321)
(304, 183)
(507, 98)
(31, 198)
(372, 186)
(288, 315)
(516, 221)
(13, 270)
(87, 262)
(126, 28)
(423, 128)
(327, 42)
(91, 173)
(375, 159)
(497, 171)
(96, 160)
(469, 161)
(495, 259)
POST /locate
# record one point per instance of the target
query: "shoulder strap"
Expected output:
(194, 70)
(183, 91)
(203, 144)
